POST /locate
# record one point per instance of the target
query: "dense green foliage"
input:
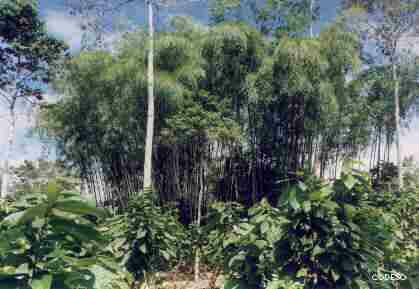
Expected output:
(236, 113)
(50, 240)
(321, 235)
(318, 235)
(146, 238)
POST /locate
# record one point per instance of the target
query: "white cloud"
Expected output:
(64, 26)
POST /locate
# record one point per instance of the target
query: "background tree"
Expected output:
(31, 176)
(27, 54)
(277, 16)
(392, 26)
(411, 175)
(376, 86)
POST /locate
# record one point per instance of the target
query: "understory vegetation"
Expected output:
(318, 235)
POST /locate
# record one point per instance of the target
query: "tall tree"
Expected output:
(27, 54)
(147, 182)
(392, 25)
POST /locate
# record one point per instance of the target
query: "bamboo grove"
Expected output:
(239, 114)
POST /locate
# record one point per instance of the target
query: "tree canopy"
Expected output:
(237, 113)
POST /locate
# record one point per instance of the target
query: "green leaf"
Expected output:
(68, 194)
(236, 258)
(302, 186)
(8, 237)
(265, 227)
(80, 263)
(349, 210)
(331, 205)
(141, 233)
(283, 199)
(318, 250)
(165, 255)
(235, 284)
(52, 191)
(260, 244)
(292, 199)
(335, 275)
(80, 279)
(35, 212)
(302, 273)
(361, 284)
(81, 232)
(80, 207)
(143, 248)
(7, 271)
(38, 223)
(13, 218)
(306, 206)
(109, 264)
(349, 181)
(259, 218)
(42, 282)
(244, 228)
(228, 241)
(321, 194)
(23, 269)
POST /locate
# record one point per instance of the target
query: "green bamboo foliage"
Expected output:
(238, 115)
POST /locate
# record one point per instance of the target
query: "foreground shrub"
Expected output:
(404, 256)
(146, 238)
(220, 222)
(244, 242)
(331, 239)
(320, 236)
(49, 241)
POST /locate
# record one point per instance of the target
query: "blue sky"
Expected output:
(66, 27)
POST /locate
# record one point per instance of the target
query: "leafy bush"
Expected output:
(407, 212)
(49, 241)
(319, 236)
(146, 238)
(400, 214)
(403, 256)
(241, 241)
(221, 219)
(329, 242)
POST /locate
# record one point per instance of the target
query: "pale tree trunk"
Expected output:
(10, 141)
(316, 156)
(147, 185)
(198, 223)
(397, 122)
